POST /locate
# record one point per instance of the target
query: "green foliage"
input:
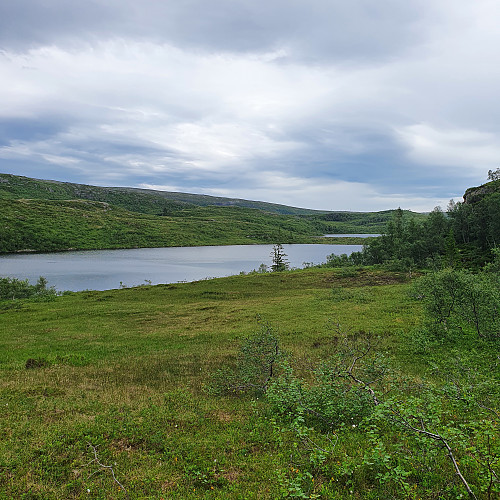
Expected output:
(146, 201)
(494, 175)
(126, 368)
(437, 420)
(359, 222)
(257, 364)
(343, 260)
(13, 288)
(451, 256)
(406, 433)
(330, 399)
(278, 256)
(53, 216)
(457, 301)
(466, 236)
(46, 225)
(408, 242)
(477, 225)
(494, 265)
(327, 402)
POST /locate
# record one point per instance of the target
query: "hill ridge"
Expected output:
(18, 183)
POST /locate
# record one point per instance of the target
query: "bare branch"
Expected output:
(487, 408)
(106, 467)
(438, 438)
(315, 445)
(405, 422)
(360, 382)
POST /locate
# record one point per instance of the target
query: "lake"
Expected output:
(351, 235)
(107, 269)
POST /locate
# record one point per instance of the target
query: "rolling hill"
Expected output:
(45, 215)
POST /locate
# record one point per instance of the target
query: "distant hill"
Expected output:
(56, 225)
(45, 215)
(146, 201)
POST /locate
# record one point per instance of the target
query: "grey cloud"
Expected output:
(312, 30)
(353, 100)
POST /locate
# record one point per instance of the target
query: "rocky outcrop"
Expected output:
(475, 194)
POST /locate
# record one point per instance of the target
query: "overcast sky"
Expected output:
(325, 104)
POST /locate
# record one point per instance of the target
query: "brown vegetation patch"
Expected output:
(367, 278)
(122, 445)
(169, 485)
(231, 475)
(223, 416)
(32, 363)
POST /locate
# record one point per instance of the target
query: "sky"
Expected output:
(358, 105)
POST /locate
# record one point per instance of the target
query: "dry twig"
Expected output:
(106, 467)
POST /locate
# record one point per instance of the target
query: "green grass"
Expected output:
(126, 370)
(52, 225)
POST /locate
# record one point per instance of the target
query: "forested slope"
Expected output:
(466, 235)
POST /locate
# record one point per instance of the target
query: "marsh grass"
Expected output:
(126, 371)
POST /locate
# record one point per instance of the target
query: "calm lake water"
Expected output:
(107, 269)
(351, 235)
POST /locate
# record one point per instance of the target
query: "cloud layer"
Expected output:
(319, 104)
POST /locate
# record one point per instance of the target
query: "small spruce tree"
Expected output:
(279, 258)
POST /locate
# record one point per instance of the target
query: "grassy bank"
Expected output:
(119, 378)
(49, 225)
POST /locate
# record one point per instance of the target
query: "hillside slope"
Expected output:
(38, 215)
(134, 199)
(55, 225)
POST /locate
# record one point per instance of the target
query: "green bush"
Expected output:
(330, 400)
(13, 288)
(256, 365)
(458, 301)
(342, 260)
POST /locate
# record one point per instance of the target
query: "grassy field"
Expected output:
(119, 378)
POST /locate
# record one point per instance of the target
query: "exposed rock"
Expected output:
(475, 194)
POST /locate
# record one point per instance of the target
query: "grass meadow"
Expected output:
(104, 394)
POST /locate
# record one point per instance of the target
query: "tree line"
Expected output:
(463, 236)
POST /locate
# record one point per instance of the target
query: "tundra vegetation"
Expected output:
(51, 216)
(360, 379)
